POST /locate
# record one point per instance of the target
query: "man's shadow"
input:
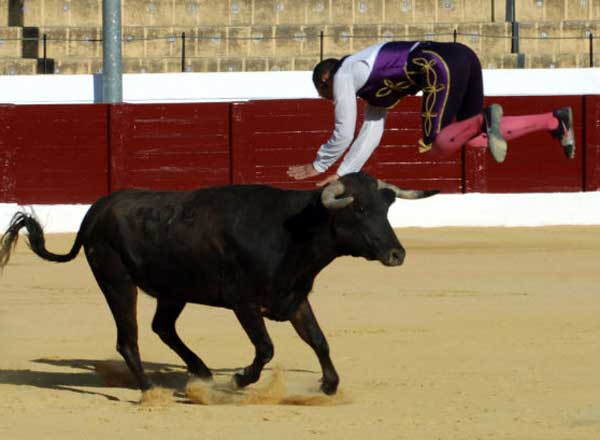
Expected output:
(105, 374)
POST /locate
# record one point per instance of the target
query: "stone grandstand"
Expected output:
(260, 35)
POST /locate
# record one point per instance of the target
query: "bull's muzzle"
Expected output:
(394, 257)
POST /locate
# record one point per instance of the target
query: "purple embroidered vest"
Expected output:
(389, 81)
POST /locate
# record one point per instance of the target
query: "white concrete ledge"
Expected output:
(539, 209)
(240, 86)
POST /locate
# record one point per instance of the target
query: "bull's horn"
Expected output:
(329, 194)
(406, 193)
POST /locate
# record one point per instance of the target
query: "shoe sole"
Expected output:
(496, 142)
(568, 141)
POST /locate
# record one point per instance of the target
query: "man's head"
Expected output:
(323, 77)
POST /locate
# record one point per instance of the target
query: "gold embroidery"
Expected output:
(389, 107)
(399, 87)
(431, 90)
(408, 73)
(412, 82)
(389, 87)
(423, 147)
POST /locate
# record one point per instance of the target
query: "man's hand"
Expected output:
(301, 172)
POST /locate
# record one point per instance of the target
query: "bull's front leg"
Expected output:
(254, 325)
(308, 329)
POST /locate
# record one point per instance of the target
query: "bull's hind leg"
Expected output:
(254, 325)
(121, 294)
(163, 324)
(308, 329)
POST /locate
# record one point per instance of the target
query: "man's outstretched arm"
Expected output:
(343, 133)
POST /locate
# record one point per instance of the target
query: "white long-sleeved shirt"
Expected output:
(351, 76)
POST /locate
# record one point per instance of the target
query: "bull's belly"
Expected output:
(278, 305)
(197, 290)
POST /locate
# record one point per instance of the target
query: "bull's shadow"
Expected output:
(105, 374)
(95, 374)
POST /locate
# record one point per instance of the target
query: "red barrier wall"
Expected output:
(397, 158)
(592, 137)
(169, 146)
(534, 163)
(8, 151)
(61, 154)
(269, 136)
(77, 153)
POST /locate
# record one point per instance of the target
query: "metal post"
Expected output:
(321, 46)
(183, 51)
(112, 68)
(514, 47)
(511, 8)
(454, 34)
(45, 54)
(591, 49)
(511, 13)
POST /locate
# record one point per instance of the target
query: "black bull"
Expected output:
(253, 249)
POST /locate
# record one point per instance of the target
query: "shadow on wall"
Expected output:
(98, 93)
(31, 35)
(15, 12)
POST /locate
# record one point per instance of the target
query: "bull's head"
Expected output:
(360, 224)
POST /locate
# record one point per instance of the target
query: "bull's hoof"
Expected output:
(329, 388)
(242, 380)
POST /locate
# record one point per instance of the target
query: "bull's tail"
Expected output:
(37, 241)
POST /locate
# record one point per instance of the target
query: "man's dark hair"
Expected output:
(323, 67)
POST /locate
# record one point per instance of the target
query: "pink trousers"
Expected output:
(469, 132)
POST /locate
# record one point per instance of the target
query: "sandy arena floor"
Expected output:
(482, 334)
